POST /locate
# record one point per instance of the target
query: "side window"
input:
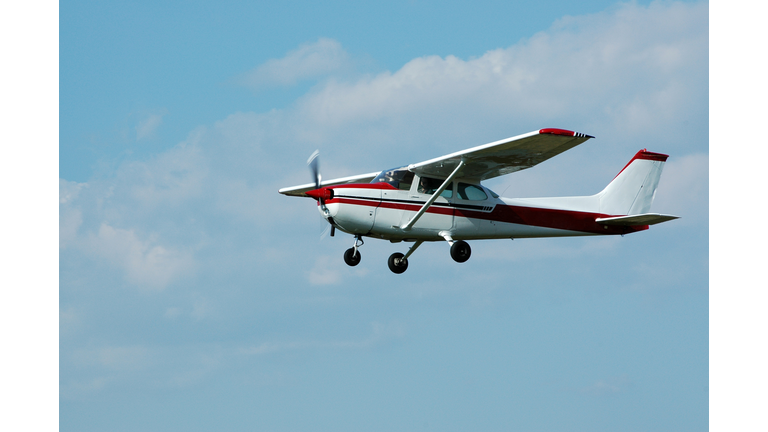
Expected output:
(471, 192)
(429, 185)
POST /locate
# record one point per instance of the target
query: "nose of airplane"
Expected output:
(323, 193)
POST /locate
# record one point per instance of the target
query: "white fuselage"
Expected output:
(465, 211)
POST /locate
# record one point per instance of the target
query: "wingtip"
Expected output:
(564, 132)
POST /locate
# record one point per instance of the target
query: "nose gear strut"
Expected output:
(352, 255)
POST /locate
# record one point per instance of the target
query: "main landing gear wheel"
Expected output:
(460, 251)
(397, 263)
(352, 257)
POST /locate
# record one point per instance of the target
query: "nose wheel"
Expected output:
(352, 255)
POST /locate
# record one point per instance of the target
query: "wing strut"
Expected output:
(413, 249)
(434, 196)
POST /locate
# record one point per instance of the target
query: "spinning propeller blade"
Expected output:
(313, 164)
(325, 232)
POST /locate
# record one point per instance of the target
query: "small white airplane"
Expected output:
(443, 199)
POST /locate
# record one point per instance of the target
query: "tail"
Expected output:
(632, 191)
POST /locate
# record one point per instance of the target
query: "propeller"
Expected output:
(314, 166)
(319, 193)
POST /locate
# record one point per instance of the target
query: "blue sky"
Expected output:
(192, 296)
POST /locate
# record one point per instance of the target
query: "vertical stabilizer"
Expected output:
(631, 192)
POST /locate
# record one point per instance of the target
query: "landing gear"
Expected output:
(397, 263)
(352, 255)
(460, 251)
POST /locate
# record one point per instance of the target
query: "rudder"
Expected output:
(632, 191)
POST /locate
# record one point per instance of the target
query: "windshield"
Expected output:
(400, 178)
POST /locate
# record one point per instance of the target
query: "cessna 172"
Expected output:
(443, 199)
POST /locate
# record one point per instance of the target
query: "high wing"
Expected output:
(504, 156)
(301, 189)
(481, 162)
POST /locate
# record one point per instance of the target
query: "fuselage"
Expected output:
(466, 210)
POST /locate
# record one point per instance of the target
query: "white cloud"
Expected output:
(172, 177)
(145, 262)
(70, 216)
(313, 60)
(76, 388)
(69, 320)
(635, 71)
(607, 387)
(172, 313)
(149, 123)
(70, 220)
(115, 358)
(69, 191)
(325, 271)
(379, 332)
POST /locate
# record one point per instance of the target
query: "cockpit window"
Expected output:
(429, 186)
(471, 192)
(400, 178)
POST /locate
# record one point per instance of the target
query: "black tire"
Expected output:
(351, 258)
(402, 264)
(460, 251)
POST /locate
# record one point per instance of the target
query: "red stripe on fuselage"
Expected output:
(533, 216)
(355, 201)
(549, 218)
(416, 207)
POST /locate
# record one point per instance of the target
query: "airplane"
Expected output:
(443, 199)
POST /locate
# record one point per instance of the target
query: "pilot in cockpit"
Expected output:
(423, 185)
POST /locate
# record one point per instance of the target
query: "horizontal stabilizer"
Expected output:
(635, 220)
